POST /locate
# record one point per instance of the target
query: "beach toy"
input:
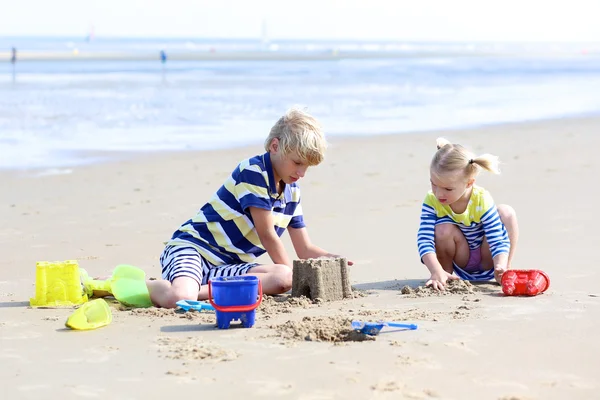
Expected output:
(195, 305)
(57, 284)
(524, 282)
(127, 284)
(235, 298)
(91, 315)
(373, 328)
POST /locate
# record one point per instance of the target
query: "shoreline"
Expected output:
(102, 157)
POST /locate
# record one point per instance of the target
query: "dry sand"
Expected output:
(364, 203)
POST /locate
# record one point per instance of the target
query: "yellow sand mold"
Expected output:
(91, 315)
(57, 284)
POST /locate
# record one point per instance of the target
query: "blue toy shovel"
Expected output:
(373, 328)
(195, 305)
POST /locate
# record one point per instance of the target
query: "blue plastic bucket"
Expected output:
(235, 291)
(235, 298)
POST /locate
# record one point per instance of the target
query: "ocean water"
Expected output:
(53, 113)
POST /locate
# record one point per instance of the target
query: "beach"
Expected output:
(363, 202)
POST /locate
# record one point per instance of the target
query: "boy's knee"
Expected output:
(506, 213)
(444, 231)
(282, 279)
(178, 293)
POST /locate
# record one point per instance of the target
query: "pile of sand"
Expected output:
(452, 288)
(284, 304)
(356, 293)
(320, 329)
(413, 314)
(387, 386)
(151, 312)
(192, 315)
(462, 311)
(193, 348)
(198, 316)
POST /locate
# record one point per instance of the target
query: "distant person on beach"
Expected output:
(462, 231)
(245, 218)
(13, 57)
(163, 56)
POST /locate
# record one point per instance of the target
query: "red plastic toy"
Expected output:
(524, 282)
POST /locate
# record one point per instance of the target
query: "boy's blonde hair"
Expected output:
(299, 132)
(454, 157)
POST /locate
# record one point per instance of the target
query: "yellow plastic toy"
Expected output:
(57, 284)
(91, 315)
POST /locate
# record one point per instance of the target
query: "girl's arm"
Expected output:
(426, 237)
(433, 265)
(426, 244)
(497, 238)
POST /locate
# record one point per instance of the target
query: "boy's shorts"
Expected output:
(178, 261)
(473, 271)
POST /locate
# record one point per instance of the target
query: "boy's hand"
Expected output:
(338, 256)
(304, 247)
(439, 279)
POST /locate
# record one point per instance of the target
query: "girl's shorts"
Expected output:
(473, 271)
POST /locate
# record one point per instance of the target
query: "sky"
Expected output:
(414, 20)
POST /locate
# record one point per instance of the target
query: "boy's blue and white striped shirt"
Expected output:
(223, 230)
(479, 220)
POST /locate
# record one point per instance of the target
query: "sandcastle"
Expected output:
(321, 278)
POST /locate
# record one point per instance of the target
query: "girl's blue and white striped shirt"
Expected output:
(479, 220)
(223, 231)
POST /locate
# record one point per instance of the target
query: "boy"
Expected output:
(245, 218)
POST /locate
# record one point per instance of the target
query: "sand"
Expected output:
(363, 203)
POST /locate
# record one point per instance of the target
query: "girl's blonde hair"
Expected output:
(454, 157)
(299, 132)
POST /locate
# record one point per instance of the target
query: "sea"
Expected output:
(60, 113)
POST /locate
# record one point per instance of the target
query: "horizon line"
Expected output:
(272, 39)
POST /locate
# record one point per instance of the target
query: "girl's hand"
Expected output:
(499, 270)
(439, 279)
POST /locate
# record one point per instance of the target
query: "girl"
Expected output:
(462, 230)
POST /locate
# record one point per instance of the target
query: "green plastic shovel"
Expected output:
(127, 284)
